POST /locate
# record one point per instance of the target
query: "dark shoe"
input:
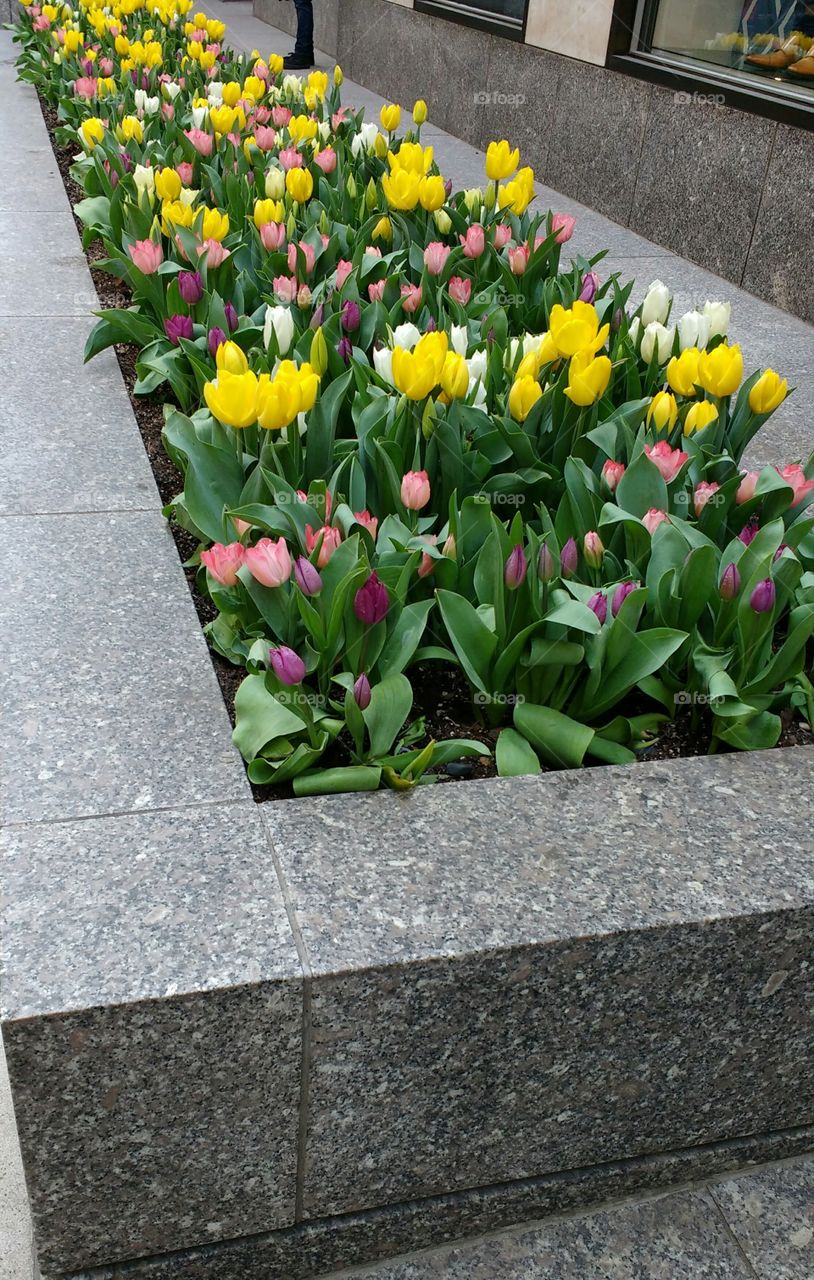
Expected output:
(298, 61)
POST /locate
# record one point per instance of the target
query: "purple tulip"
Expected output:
(361, 691)
(231, 316)
(514, 573)
(344, 348)
(749, 531)
(730, 582)
(216, 339)
(599, 605)
(178, 327)
(546, 565)
(351, 316)
(590, 284)
(287, 665)
(371, 602)
(621, 594)
(448, 188)
(190, 286)
(307, 577)
(784, 546)
(317, 316)
(616, 320)
(568, 558)
(763, 597)
(431, 325)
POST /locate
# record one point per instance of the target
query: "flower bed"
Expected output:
(409, 438)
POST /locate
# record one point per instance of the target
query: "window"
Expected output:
(505, 17)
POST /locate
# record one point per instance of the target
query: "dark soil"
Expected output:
(441, 692)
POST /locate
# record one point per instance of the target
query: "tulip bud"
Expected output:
(318, 355)
(593, 549)
(450, 548)
(656, 306)
(442, 221)
(612, 473)
(351, 316)
(307, 577)
(215, 339)
(730, 583)
(763, 597)
(590, 284)
(371, 602)
(568, 558)
(350, 186)
(621, 594)
(514, 573)
(415, 490)
(275, 184)
(749, 531)
(190, 287)
(178, 327)
(344, 349)
(361, 692)
(231, 316)
(303, 296)
(371, 196)
(287, 665)
(546, 565)
(599, 605)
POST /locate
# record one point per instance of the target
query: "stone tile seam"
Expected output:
(230, 803)
(760, 203)
(637, 175)
(102, 511)
(730, 1233)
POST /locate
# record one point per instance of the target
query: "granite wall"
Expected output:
(729, 190)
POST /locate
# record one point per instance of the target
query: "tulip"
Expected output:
(285, 288)
(502, 235)
(326, 159)
(361, 692)
(747, 486)
(515, 569)
(351, 316)
(232, 398)
(411, 297)
(593, 550)
(185, 172)
(419, 111)
(454, 378)
(415, 490)
(375, 291)
(215, 338)
(523, 396)
(657, 341)
(662, 413)
(749, 531)
(501, 160)
(576, 330)
(144, 178)
(730, 583)
(307, 577)
(518, 259)
(147, 256)
(656, 305)
(231, 316)
(590, 284)
(719, 315)
(703, 494)
(588, 378)
(768, 393)
(202, 142)
(367, 521)
(223, 562)
(612, 473)
(416, 373)
(344, 349)
(371, 602)
(287, 665)
(272, 236)
(763, 597)
(562, 228)
(653, 518)
(474, 242)
(390, 115)
(435, 256)
(190, 286)
(621, 594)
(229, 356)
(331, 539)
(599, 605)
(794, 476)
(700, 415)
(720, 371)
(299, 184)
(215, 252)
(693, 331)
(269, 562)
(178, 327)
(460, 290)
(669, 461)
(427, 564)
(432, 193)
(264, 137)
(304, 251)
(343, 270)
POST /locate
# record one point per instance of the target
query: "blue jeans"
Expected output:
(305, 26)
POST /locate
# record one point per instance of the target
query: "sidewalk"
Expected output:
(768, 336)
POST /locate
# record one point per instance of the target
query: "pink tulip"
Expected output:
(331, 539)
(653, 519)
(411, 298)
(285, 288)
(502, 234)
(415, 490)
(147, 256)
(474, 242)
(562, 226)
(202, 142)
(264, 137)
(241, 526)
(339, 117)
(215, 252)
(669, 461)
(290, 158)
(375, 291)
(185, 172)
(612, 473)
(272, 236)
(518, 259)
(41, 23)
(427, 563)
(167, 111)
(794, 475)
(223, 562)
(308, 253)
(435, 256)
(260, 115)
(746, 489)
(702, 495)
(373, 251)
(106, 66)
(367, 521)
(343, 270)
(460, 290)
(280, 116)
(269, 562)
(85, 87)
(326, 159)
(303, 296)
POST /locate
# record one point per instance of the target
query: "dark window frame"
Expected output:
(481, 22)
(636, 57)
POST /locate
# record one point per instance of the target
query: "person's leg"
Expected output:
(305, 28)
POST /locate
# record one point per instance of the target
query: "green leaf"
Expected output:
(404, 639)
(259, 718)
(515, 756)
(389, 707)
(641, 488)
(646, 653)
(758, 733)
(354, 777)
(561, 740)
(471, 639)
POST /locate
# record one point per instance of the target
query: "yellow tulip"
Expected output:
(525, 178)
(390, 117)
(309, 386)
(275, 184)
(431, 193)
(167, 184)
(175, 214)
(130, 129)
(339, 75)
(413, 376)
(576, 329)
(768, 393)
(299, 184)
(207, 59)
(231, 93)
(525, 393)
(301, 128)
(92, 131)
(267, 211)
(588, 378)
(253, 87)
(454, 376)
(720, 371)
(230, 357)
(529, 366)
(222, 118)
(214, 225)
(278, 402)
(412, 157)
(215, 30)
(275, 64)
(433, 347)
(501, 160)
(419, 111)
(232, 398)
(383, 230)
(699, 416)
(401, 189)
(682, 372)
(515, 196)
(663, 411)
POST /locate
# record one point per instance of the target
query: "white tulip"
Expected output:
(275, 184)
(324, 130)
(656, 306)
(459, 337)
(144, 179)
(657, 338)
(279, 320)
(199, 115)
(693, 330)
(188, 197)
(383, 363)
(476, 364)
(292, 85)
(171, 90)
(635, 330)
(719, 314)
(365, 139)
(406, 336)
(214, 91)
